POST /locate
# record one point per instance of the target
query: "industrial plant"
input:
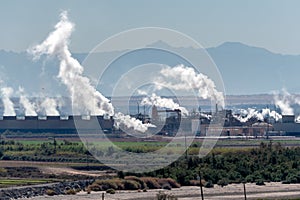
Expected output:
(167, 122)
(100, 114)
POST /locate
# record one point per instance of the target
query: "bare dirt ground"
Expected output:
(232, 192)
(69, 171)
(57, 168)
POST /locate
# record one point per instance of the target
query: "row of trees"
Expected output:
(269, 162)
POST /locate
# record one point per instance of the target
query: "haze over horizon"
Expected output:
(268, 24)
(255, 45)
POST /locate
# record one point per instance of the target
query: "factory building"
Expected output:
(168, 122)
(288, 126)
(55, 124)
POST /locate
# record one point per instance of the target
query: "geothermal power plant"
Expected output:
(168, 123)
(101, 112)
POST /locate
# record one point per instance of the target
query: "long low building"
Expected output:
(56, 124)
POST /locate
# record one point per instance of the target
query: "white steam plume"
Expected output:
(49, 107)
(207, 116)
(8, 104)
(246, 114)
(266, 112)
(182, 78)
(129, 122)
(85, 98)
(284, 102)
(142, 92)
(163, 103)
(28, 106)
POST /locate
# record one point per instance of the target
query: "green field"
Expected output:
(20, 182)
(56, 150)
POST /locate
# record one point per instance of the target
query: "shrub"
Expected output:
(250, 179)
(162, 196)
(110, 191)
(194, 183)
(172, 197)
(136, 179)
(70, 192)
(77, 190)
(151, 182)
(121, 174)
(131, 185)
(3, 170)
(119, 183)
(293, 178)
(286, 182)
(209, 184)
(223, 182)
(107, 184)
(168, 181)
(260, 182)
(50, 192)
(94, 187)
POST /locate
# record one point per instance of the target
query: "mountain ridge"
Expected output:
(245, 69)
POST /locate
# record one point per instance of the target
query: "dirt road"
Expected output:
(232, 192)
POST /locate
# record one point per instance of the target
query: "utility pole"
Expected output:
(54, 144)
(86, 154)
(245, 190)
(268, 121)
(201, 186)
(186, 148)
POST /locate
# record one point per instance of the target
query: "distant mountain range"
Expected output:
(250, 70)
(245, 69)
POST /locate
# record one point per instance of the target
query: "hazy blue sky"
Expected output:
(271, 24)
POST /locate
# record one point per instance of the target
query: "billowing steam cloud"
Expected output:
(8, 104)
(128, 122)
(163, 103)
(49, 107)
(182, 78)
(266, 112)
(284, 102)
(245, 115)
(28, 106)
(85, 98)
